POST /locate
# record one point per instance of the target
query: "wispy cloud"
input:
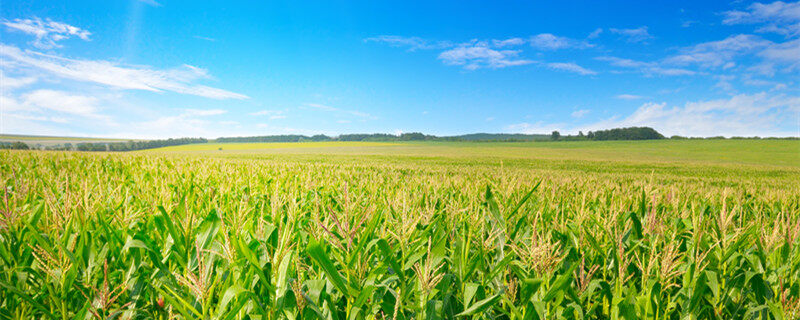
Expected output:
(778, 17)
(203, 112)
(492, 53)
(47, 32)
(570, 67)
(580, 113)
(477, 54)
(639, 34)
(720, 53)
(760, 114)
(548, 41)
(60, 101)
(783, 53)
(759, 56)
(15, 82)
(596, 33)
(508, 42)
(412, 43)
(740, 115)
(180, 80)
(272, 114)
(205, 38)
(628, 97)
(35, 111)
(647, 68)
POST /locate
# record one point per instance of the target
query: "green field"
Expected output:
(53, 140)
(269, 146)
(686, 229)
(752, 152)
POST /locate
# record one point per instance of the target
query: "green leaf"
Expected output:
(317, 253)
(480, 306)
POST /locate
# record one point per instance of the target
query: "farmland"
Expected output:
(429, 230)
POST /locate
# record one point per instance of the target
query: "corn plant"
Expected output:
(135, 236)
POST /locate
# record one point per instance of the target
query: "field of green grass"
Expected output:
(748, 152)
(686, 229)
(257, 147)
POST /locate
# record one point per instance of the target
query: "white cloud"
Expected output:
(720, 53)
(760, 114)
(179, 80)
(7, 82)
(580, 113)
(508, 42)
(570, 67)
(48, 32)
(787, 52)
(489, 119)
(412, 43)
(639, 34)
(727, 53)
(321, 107)
(37, 111)
(205, 38)
(647, 68)
(64, 102)
(625, 63)
(596, 33)
(778, 17)
(188, 123)
(628, 97)
(477, 54)
(741, 115)
(273, 114)
(203, 113)
(548, 41)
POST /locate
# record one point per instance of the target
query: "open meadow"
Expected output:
(665, 229)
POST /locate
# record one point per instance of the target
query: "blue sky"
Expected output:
(159, 68)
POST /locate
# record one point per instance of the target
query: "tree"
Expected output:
(555, 135)
(632, 133)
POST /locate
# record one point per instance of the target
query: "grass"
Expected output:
(266, 146)
(747, 152)
(656, 230)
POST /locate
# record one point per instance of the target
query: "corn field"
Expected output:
(153, 236)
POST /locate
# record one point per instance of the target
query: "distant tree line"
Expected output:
(136, 145)
(278, 138)
(17, 145)
(121, 146)
(644, 133)
(410, 136)
(631, 133)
